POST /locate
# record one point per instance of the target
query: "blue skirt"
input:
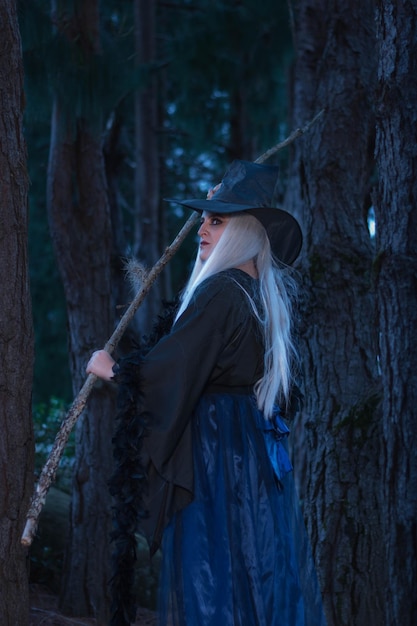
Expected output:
(238, 555)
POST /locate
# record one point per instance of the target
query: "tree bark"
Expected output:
(16, 331)
(146, 182)
(79, 217)
(396, 270)
(337, 436)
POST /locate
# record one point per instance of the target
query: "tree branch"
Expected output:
(294, 135)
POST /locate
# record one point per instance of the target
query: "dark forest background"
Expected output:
(106, 109)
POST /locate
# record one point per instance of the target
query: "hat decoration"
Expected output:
(250, 187)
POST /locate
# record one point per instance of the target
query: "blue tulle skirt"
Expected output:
(238, 555)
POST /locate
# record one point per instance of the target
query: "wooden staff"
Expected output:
(50, 468)
(290, 139)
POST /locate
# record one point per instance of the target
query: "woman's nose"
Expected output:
(201, 230)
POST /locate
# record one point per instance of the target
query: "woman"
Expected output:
(202, 463)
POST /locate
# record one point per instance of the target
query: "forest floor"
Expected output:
(44, 612)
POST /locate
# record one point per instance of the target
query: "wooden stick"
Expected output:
(50, 468)
(294, 135)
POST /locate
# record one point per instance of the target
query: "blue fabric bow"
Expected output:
(276, 432)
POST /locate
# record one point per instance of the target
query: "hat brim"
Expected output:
(213, 206)
(284, 232)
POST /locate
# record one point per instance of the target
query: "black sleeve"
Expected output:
(176, 371)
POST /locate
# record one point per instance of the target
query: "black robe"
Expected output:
(215, 345)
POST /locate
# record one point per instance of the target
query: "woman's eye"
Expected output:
(211, 221)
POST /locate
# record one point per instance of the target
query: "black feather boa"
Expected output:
(128, 483)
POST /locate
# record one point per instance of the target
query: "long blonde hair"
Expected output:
(244, 238)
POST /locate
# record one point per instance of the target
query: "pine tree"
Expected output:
(339, 431)
(16, 329)
(395, 269)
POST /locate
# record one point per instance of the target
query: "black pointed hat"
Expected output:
(250, 187)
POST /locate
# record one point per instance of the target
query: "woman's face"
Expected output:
(212, 226)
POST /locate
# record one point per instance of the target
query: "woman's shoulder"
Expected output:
(226, 289)
(233, 279)
(220, 300)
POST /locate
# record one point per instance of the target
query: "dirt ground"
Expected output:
(44, 612)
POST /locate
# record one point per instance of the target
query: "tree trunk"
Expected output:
(338, 435)
(146, 183)
(396, 231)
(79, 217)
(241, 141)
(16, 331)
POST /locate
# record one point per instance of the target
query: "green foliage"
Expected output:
(47, 551)
(216, 62)
(223, 53)
(51, 373)
(47, 419)
(88, 83)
